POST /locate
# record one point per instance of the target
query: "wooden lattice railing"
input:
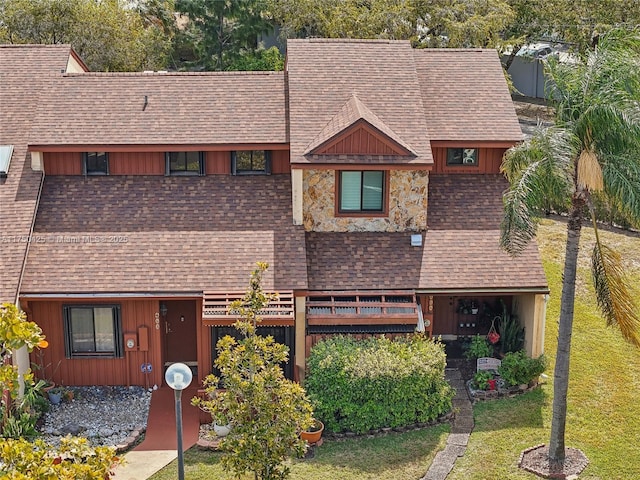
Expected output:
(216, 312)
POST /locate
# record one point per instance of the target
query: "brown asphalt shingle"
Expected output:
(450, 259)
(465, 95)
(164, 234)
(350, 113)
(324, 74)
(465, 202)
(182, 109)
(25, 73)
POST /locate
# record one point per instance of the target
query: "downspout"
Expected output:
(21, 356)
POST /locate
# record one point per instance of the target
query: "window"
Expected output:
(5, 159)
(95, 163)
(251, 162)
(462, 156)
(185, 163)
(92, 331)
(361, 191)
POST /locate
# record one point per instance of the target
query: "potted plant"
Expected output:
(221, 425)
(313, 434)
(56, 394)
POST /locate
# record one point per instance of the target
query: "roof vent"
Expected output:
(5, 159)
(416, 240)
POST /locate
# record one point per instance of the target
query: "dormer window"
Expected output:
(462, 156)
(184, 163)
(95, 163)
(251, 162)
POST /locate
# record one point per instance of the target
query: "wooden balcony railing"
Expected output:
(215, 309)
(360, 308)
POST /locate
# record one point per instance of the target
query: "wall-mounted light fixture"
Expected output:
(163, 309)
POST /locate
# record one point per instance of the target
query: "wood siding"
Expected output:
(136, 163)
(62, 163)
(99, 371)
(489, 160)
(218, 163)
(280, 162)
(151, 163)
(361, 140)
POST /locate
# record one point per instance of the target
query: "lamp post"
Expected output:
(178, 376)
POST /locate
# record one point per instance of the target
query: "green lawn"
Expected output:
(604, 403)
(395, 456)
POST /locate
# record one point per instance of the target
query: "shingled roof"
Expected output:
(323, 75)
(449, 260)
(164, 234)
(352, 112)
(465, 201)
(163, 108)
(465, 95)
(25, 73)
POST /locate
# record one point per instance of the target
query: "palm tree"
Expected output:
(592, 153)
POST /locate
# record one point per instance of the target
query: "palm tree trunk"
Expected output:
(565, 326)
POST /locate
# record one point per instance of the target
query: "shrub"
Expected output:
(481, 379)
(478, 348)
(517, 368)
(511, 333)
(361, 385)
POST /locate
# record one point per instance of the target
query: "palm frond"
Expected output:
(613, 294)
(518, 224)
(589, 172)
(540, 175)
(622, 187)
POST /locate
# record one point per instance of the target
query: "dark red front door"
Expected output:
(180, 332)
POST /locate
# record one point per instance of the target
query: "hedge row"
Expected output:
(361, 385)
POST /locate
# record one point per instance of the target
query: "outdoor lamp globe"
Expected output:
(178, 376)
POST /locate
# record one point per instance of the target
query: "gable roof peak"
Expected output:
(352, 112)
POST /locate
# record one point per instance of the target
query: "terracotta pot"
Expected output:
(313, 436)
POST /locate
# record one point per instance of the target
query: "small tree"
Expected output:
(266, 411)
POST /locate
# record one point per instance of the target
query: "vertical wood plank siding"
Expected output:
(151, 163)
(218, 163)
(280, 162)
(136, 163)
(205, 365)
(489, 160)
(62, 163)
(99, 371)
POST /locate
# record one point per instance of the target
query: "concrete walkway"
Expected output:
(141, 465)
(460, 430)
(159, 446)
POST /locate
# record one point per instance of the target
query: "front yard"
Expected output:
(604, 403)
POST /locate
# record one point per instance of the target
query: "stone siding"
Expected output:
(407, 204)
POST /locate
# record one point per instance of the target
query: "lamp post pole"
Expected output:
(178, 397)
(178, 376)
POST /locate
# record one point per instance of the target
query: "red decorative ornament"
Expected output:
(493, 337)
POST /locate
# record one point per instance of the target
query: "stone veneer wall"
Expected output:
(407, 204)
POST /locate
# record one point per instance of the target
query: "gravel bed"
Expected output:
(103, 415)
